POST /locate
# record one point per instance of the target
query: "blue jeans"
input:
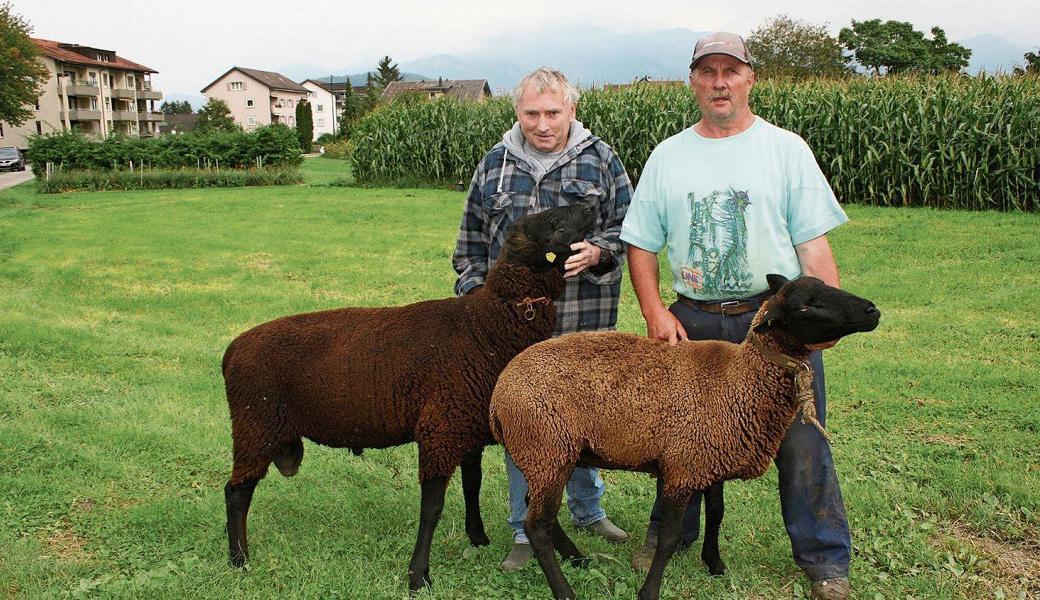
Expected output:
(584, 489)
(810, 498)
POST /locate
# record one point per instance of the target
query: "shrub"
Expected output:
(154, 179)
(275, 145)
(340, 149)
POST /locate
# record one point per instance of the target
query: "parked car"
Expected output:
(11, 159)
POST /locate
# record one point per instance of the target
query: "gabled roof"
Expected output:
(275, 81)
(338, 87)
(463, 89)
(65, 53)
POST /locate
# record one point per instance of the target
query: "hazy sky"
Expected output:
(191, 42)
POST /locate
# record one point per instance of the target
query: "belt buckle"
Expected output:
(723, 305)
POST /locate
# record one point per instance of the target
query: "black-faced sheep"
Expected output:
(696, 413)
(379, 377)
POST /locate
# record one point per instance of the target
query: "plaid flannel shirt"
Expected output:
(504, 188)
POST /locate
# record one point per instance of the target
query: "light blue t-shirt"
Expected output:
(731, 210)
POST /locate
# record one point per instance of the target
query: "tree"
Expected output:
(896, 47)
(22, 74)
(353, 109)
(786, 47)
(1032, 64)
(371, 94)
(215, 116)
(387, 72)
(175, 107)
(304, 125)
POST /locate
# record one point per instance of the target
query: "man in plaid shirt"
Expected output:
(549, 159)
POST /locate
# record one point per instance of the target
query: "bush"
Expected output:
(340, 149)
(945, 142)
(275, 145)
(156, 179)
(326, 138)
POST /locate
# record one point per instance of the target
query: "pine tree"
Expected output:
(304, 125)
(387, 73)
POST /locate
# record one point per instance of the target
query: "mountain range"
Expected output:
(593, 55)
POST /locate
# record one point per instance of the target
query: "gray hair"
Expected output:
(543, 79)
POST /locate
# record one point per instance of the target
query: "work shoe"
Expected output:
(643, 557)
(607, 530)
(518, 556)
(835, 588)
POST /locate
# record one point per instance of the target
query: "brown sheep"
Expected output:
(379, 377)
(695, 414)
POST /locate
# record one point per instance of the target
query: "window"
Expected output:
(2, 129)
(93, 103)
(236, 86)
(290, 101)
(321, 108)
(71, 77)
(39, 128)
(104, 79)
(108, 102)
(92, 77)
(249, 103)
(37, 103)
(292, 121)
(129, 83)
(72, 103)
(250, 120)
(321, 122)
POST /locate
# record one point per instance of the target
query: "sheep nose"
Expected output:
(872, 310)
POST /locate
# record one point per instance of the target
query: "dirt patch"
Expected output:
(261, 261)
(65, 545)
(1014, 565)
(956, 441)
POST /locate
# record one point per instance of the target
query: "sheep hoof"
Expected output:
(479, 538)
(716, 567)
(238, 560)
(418, 582)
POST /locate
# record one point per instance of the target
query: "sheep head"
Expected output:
(542, 241)
(813, 312)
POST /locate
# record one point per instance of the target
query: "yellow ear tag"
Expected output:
(550, 256)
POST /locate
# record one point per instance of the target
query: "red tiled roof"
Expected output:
(57, 52)
(274, 81)
(463, 89)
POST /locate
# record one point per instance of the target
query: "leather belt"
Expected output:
(726, 308)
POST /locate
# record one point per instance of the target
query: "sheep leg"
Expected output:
(565, 546)
(237, 499)
(471, 476)
(669, 532)
(714, 509)
(431, 505)
(541, 525)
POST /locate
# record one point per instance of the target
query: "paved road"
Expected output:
(8, 179)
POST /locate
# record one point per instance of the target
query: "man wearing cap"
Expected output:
(734, 198)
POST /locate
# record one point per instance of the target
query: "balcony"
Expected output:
(81, 89)
(152, 117)
(79, 114)
(124, 115)
(148, 94)
(123, 93)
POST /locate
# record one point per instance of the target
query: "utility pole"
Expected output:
(331, 91)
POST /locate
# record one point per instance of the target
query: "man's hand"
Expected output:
(663, 325)
(585, 255)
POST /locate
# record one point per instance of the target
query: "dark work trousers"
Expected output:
(810, 499)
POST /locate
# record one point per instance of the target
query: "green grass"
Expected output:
(116, 308)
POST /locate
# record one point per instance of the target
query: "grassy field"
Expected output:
(115, 309)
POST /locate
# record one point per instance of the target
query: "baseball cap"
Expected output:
(721, 42)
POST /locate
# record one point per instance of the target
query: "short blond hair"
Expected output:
(546, 78)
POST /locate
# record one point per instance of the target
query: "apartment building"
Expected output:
(90, 90)
(323, 107)
(258, 97)
(327, 103)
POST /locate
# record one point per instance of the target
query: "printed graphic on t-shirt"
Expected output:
(717, 263)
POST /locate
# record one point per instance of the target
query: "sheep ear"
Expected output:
(776, 282)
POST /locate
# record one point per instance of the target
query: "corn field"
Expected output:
(941, 142)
